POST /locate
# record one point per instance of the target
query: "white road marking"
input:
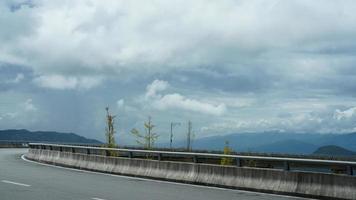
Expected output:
(159, 181)
(15, 183)
(94, 198)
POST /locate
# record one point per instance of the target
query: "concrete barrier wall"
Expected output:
(308, 184)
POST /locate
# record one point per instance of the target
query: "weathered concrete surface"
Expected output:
(326, 186)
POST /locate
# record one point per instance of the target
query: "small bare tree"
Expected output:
(148, 139)
(110, 130)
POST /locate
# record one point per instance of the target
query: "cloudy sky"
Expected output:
(228, 66)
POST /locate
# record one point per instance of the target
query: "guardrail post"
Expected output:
(50, 148)
(130, 154)
(60, 149)
(195, 159)
(73, 150)
(349, 170)
(238, 162)
(159, 157)
(88, 151)
(286, 165)
(107, 152)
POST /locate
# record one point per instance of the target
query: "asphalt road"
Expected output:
(20, 179)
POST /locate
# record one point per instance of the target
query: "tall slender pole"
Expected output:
(173, 124)
(149, 132)
(171, 138)
(189, 135)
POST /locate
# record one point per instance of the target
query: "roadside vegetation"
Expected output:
(147, 139)
(227, 151)
(110, 132)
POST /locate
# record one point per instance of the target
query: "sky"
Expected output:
(229, 66)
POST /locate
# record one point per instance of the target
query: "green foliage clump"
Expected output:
(148, 139)
(227, 151)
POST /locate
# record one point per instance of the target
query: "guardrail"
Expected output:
(47, 142)
(288, 164)
(13, 144)
(25, 143)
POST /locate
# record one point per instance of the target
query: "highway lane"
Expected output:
(21, 179)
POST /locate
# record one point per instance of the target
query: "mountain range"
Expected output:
(266, 142)
(275, 142)
(24, 135)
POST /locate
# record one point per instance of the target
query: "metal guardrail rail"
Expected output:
(46, 142)
(13, 144)
(25, 143)
(286, 163)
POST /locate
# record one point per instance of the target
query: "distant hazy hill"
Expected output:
(249, 141)
(347, 141)
(332, 150)
(287, 147)
(44, 136)
(274, 142)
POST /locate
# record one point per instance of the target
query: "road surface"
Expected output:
(20, 179)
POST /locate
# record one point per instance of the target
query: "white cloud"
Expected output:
(29, 106)
(88, 82)
(317, 121)
(346, 114)
(120, 103)
(21, 113)
(156, 86)
(21, 110)
(10, 115)
(67, 82)
(178, 101)
(19, 77)
(56, 82)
